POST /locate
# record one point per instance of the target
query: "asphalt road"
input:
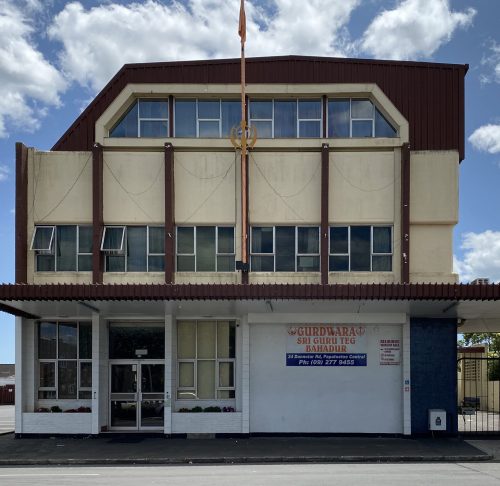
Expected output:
(458, 474)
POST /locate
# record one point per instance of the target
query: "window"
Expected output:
(134, 248)
(357, 118)
(205, 249)
(206, 353)
(360, 249)
(285, 249)
(206, 118)
(62, 248)
(65, 360)
(286, 118)
(145, 118)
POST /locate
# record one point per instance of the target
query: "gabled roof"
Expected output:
(429, 95)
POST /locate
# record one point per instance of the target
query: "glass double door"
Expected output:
(137, 394)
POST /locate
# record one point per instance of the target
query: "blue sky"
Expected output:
(56, 55)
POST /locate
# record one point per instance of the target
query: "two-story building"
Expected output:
(133, 309)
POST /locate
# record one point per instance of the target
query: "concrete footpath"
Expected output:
(138, 449)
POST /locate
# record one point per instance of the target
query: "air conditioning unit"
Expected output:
(480, 281)
(437, 419)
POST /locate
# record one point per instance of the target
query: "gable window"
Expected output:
(206, 352)
(145, 118)
(349, 117)
(134, 248)
(360, 249)
(286, 118)
(205, 249)
(65, 360)
(285, 249)
(65, 248)
(206, 118)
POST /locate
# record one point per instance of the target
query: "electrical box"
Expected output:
(437, 419)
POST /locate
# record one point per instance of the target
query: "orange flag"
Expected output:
(242, 27)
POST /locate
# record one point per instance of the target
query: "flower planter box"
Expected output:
(57, 423)
(207, 423)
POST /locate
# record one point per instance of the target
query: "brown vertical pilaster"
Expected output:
(325, 174)
(169, 214)
(245, 272)
(405, 213)
(21, 213)
(97, 212)
(170, 116)
(325, 116)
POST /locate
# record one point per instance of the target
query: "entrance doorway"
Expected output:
(137, 393)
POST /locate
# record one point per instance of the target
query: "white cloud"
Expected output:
(413, 29)
(4, 173)
(98, 41)
(486, 139)
(28, 81)
(481, 256)
(492, 61)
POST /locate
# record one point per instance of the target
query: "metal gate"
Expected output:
(7, 394)
(478, 389)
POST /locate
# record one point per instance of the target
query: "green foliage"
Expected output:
(492, 339)
(212, 409)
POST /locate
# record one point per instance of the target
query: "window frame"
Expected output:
(52, 244)
(216, 242)
(55, 361)
(119, 250)
(217, 361)
(296, 248)
(372, 253)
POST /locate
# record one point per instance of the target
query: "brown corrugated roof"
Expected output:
(417, 292)
(429, 95)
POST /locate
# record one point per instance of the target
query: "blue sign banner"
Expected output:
(325, 359)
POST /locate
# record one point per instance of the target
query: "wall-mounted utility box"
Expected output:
(437, 419)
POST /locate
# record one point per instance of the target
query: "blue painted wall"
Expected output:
(433, 352)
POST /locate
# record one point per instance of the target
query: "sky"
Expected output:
(55, 56)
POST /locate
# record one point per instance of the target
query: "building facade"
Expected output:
(134, 311)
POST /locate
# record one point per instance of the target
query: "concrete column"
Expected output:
(168, 373)
(245, 376)
(406, 378)
(19, 376)
(96, 361)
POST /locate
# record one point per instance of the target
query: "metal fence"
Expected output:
(7, 394)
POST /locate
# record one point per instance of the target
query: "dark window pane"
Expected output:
(66, 248)
(85, 239)
(262, 263)
(157, 239)
(361, 109)
(127, 126)
(308, 264)
(339, 240)
(209, 129)
(125, 340)
(67, 384)
(85, 263)
(208, 109)
(47, 340)
(261, 110)
(264, 129)
(382, 127)
(154, 128)
(186, 263)
(113, 238)
(205, 249)
(231, 116)
(185, 240)
(310, 109)
(285, 119)
(156, 263)
(67, 340)
(382, 240)
(85, 340)
(136, 249)
(185, 118)
(307, 240)
(382, 263)
(85, 375)
(309, 129)
(115, 263)
(225, 263)
(85, 395)
(46, 394)
(362, 128)
(43, 239)
(360, 248)
(153, 108)
(339, 263)
(285, 248)
(262, 239)
(339, 118)
(47, 375)
(225, 240)
(45, 263)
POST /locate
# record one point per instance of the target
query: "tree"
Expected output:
(492, 339)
